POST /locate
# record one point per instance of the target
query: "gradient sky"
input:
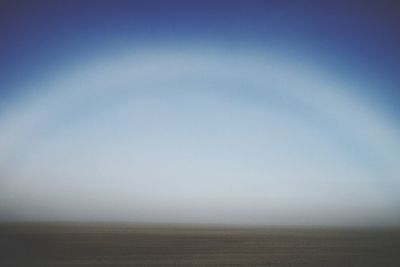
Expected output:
(233, 112)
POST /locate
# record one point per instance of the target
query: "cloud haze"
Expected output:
(207, 132)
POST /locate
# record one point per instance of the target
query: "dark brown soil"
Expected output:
(140, 245)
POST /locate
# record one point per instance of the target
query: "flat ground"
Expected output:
(140, 245)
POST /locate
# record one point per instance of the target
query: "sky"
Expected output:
(277, 113)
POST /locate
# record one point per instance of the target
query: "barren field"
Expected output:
(155, 245)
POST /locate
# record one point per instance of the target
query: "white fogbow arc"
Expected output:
(270, 81)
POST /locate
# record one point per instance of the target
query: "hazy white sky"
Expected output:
(198, 135)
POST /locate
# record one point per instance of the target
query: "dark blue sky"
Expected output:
(357, 37)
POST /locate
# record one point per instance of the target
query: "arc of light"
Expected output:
(328, 102)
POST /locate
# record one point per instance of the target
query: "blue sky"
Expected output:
(243, 112)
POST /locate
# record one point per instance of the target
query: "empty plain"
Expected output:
(168, 245)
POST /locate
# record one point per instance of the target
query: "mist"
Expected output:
(193, 126)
